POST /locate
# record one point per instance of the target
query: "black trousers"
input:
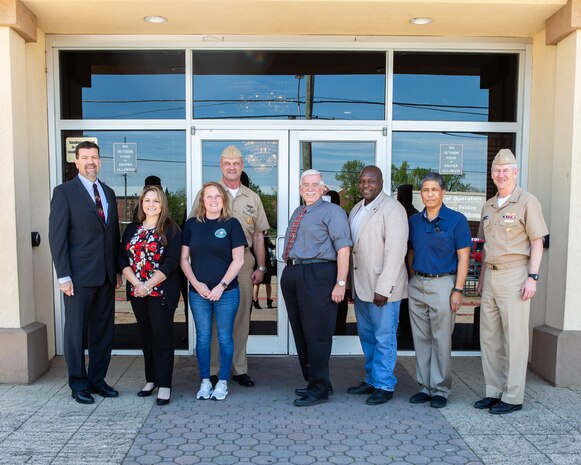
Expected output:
(155, 322)
(312, 315)
(89, 321)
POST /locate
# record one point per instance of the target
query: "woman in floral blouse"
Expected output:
(149, 259)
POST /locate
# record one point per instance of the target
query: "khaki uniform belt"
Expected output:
(506, 266)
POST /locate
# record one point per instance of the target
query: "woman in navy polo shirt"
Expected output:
(212, 255)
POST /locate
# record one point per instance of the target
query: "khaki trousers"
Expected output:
(432, 322)
(504, 333)
(241, 323)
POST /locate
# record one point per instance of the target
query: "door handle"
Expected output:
(279, 249)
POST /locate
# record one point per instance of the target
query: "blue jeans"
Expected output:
(204, 311)
(377, 327)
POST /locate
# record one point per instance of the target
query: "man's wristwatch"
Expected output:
(534, 276)
(456, 289)
(262, 268)
(224, 284)
(341, 283)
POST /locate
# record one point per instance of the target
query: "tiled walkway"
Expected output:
(41, 424)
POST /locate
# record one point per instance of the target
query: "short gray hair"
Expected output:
(433, 177)
(312, 172)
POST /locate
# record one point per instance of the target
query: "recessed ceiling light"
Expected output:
(421, 21)
(155, 19)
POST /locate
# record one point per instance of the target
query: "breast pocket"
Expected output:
(249, 217)
(486, 227)
(442, 241)
(509, 227)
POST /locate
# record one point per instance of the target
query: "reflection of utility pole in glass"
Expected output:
(126, 203)
(306, 147)
(310, 94)
(298, 77)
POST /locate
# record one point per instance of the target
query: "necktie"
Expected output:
(100, 210)
(293, 233)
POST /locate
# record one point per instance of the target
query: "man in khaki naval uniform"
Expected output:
(248, 209)
(512, 227)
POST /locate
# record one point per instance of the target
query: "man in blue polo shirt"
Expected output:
(438, 258)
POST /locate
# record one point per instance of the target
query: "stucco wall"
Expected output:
(541, 155)
(16, 272)
(564, 292)
(40, 194)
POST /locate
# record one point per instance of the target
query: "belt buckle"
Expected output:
(496, 267)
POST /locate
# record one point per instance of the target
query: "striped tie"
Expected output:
(293, 233)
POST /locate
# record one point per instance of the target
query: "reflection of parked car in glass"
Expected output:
(476, 250)
(474, 266)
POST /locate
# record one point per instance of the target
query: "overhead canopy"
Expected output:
(467, 18)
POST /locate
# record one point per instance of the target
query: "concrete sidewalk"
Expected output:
(41, 424)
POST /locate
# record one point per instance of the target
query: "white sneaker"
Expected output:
(205, 390)
(221, 390)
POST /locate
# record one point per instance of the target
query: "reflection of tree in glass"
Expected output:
(404, 175)
(269, 204)
(177, 205)
(349, 179)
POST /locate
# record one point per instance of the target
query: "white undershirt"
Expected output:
(234, 192)
(502, 200)
(359, 217)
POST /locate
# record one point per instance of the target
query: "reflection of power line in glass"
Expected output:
(281, 107)
(162, 160)
(445, 108)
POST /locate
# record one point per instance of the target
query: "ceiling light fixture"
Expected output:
(155, 19)
(420, 21)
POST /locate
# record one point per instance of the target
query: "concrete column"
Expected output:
(556, 343)
(23, 340)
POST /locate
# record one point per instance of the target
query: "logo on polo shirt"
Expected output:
(221, 233)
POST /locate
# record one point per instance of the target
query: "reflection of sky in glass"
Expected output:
(211, 151)
(160, 153)
(151, 96)
(439, 98)
(329, 158)
(422, 149)
(345, 97)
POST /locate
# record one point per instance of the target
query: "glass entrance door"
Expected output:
(273, 161)
(265, 156)
(339, 156)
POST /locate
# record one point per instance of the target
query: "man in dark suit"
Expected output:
(84, 239)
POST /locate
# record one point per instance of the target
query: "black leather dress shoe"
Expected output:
(162, 401)
(379, 396)
(504, 407)
(363, 388)
(420, 398)
(438, 402)
(307, 401)
(487, 402)
(104, 391)
(303, 391)
(243, 380)
(143, 393)
(83, 397)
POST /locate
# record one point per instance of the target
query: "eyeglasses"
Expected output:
(313, 185)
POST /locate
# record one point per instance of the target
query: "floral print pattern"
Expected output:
(145, 251)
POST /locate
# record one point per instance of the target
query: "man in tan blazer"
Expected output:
(379, 229)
